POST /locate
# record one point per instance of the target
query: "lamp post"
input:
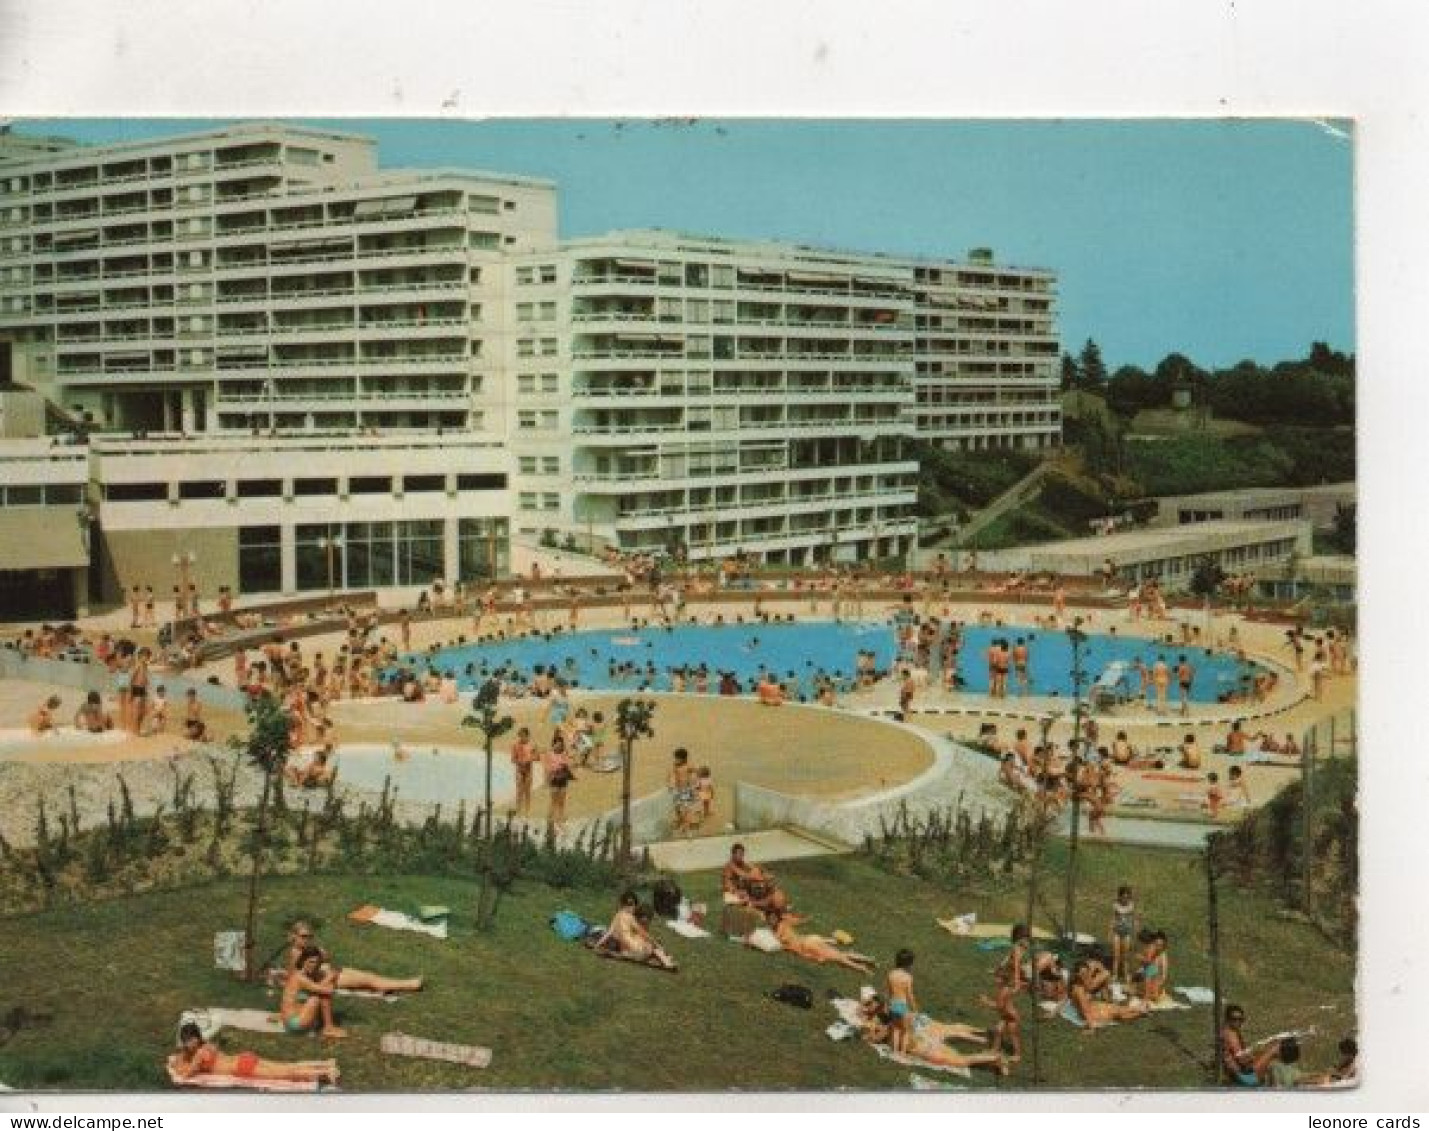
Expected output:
(183, 561)
(330, 544)
(1078, 639)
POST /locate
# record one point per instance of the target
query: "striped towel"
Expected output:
(245, 1083)
(400, 1044)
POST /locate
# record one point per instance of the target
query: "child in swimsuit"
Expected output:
(902, 1006)
(1123, 929)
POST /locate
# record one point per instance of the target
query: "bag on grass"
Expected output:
(569, 926)
(791, 993)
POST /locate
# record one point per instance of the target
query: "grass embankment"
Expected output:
(114, 977)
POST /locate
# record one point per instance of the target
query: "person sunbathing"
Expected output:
(301, 939)
(815, 948)
(1095, 1014)
(307, 996)
(317, 771)
(628, 936)
(926, 1040)
(200, 1058)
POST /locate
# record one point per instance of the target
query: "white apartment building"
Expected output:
(277, 341)
(987, 355)
(714, 394)
(260, 275)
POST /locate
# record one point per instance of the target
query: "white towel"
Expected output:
(687, 929)
(913, 1062)
(400, 921)
(210, 1021)
(228, 950)
(1197, 995)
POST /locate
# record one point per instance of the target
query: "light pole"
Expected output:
(330, 544)
(1079, 677)
(183, 561)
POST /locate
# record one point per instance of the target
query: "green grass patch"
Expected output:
(114, 976)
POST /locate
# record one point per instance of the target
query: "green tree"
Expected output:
(266, 747)
(1071, 375)
(1207, 577)
(632, 723)
(1091, 367)
(485, 718)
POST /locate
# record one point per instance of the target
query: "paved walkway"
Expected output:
(708, 852)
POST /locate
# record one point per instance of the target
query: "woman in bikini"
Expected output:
(628, 936)
(307, 996)
(815, 948)
(199, 1058)
(927, 1039)
(557, 764)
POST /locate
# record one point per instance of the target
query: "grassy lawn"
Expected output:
(116, 975)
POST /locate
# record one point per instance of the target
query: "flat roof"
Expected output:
(673, 239)
(1168, 537)
(86, 151)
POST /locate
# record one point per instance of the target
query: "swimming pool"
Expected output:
(804, 650)
(429, 773)
(20, 742)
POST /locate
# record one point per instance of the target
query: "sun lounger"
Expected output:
(400, 1044)
(239, 1083)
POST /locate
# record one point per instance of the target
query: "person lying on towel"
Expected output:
(301, 938)
(198, 1057)
(815, 948)
(1092, 1013)
(628, 935)
(927, 1039)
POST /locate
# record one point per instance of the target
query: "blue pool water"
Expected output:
(806, 649)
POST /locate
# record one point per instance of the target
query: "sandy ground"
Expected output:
(829, 754)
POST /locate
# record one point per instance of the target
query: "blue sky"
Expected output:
(1223, 240)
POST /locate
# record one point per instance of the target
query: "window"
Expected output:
(551, 465)
(259, 488)
(546, 312)
(528, 500)
(525, 276)
(473, 482)
(310, 487)
(526, 419)
(526, 383)
(548, 347)
(260, 558)
(527, 465)
(136, 492)
(550, 383)
(548, 272)
(482, 545)
(23, 496)
(549, 419)
(524, 311)
(203, 489)
(58, 493)
(424, 483)
(369, 485)
(550, 501)
(525, 347)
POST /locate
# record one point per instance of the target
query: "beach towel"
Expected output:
(397, 921)
(687, 929)
(762, 938)
(840, 1031)
(1002, 931)
(1196, 995)
(245, 1083)
(913, 1062)
(1166, 1002)
(1189, 779)
(211, 1021)
(228, 950)
(400, 1044)
(920, 1083)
